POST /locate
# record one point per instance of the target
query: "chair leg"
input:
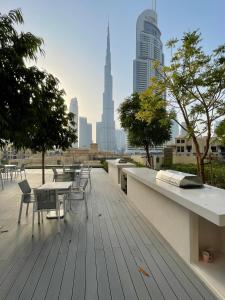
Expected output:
(27, 209)
(20, 211)
(64, 207)
(42, 219)
(33, 224)
(90, 180)
(58, 218)
(2, 185)
(39, 218)
(86, 208)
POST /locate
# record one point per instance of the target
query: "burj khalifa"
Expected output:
(105, 130)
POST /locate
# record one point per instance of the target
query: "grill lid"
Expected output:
(179, 179)
(121, 160)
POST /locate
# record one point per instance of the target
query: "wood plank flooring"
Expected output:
(98, 258)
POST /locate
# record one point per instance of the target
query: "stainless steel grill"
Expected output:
(179, 179)
(121, 160)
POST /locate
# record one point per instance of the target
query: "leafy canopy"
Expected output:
(18, 82)
(220, 132)
(51, 126)
(149, 133)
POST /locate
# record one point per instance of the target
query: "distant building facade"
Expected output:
(185, 151)
(73, 108)
(149, 48)
(85, 133)
(121, 142)
(105, 130)
(174, 132)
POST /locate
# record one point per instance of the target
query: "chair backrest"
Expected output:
(83, 184)
(46, 199)
(68, 176)
(85, 171)
(24, 186)
(1, 178)
(76, 166)
(22, 168)
(54, 171)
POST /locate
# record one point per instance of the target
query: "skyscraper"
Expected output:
(85, 133)
(121, 140)
(74, 109)
(149, 49)
(105, 130)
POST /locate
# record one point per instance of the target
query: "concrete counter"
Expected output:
(114, 169)
(207, 202)
(190, 220)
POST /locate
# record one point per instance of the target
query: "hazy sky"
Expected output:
(74, 32)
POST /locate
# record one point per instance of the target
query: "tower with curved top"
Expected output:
(149, 49)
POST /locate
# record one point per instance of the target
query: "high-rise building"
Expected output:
(174, 132)
(105, 130)
(85, 133)
(121, 143)
(149, 49)
(183, 132)
(74, 109)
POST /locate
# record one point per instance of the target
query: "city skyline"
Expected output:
(75, 46)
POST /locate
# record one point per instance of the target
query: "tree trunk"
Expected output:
(202, 170)
(148, 156)
(200, 160)
(43, 166)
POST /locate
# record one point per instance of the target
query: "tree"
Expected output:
(17, 80)
(51, 126)
(220, 132)
(141, 133)
(195, 85)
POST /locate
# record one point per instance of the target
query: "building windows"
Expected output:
(178, 149)
(178, 141)
(182, 149)
(182, 141)
(213, 149)
(189, 148)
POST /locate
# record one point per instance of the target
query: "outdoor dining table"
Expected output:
(62, 188)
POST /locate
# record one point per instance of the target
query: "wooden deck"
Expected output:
(98, 258)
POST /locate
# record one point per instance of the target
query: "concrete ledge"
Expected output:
(207, 202)
(114, 169)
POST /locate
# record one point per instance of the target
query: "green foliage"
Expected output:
(17, 80)
(105, 165)
(142, 133)
(214, 174)
(137, 164)
(195, 87)
(52, 127)
(32, 109)
(220, 132)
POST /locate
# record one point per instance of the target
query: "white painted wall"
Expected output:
(176, 224)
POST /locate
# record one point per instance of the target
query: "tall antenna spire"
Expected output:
(154, 5)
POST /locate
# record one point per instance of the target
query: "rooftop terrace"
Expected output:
(98, 258)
